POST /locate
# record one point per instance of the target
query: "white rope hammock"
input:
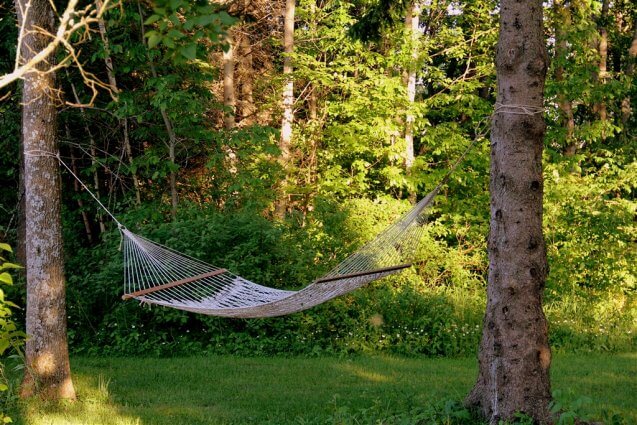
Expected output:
(156, 274)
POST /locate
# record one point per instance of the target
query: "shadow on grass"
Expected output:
(232, 390)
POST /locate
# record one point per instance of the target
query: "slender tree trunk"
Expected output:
(228, 84)
(80, 204)
(123, 122)
(93, 151)
(248, 110)
(602, 73)
(229, 100)
(172, 136)
(78, 190)
(412, 20)
(514, 356)
(630, 69)
(562, 25)
(313, 96)
(288, 103)
(47, 360)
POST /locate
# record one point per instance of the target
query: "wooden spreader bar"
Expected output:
(172, 284)
(367, 273)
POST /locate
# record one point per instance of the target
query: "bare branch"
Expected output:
(70, 23)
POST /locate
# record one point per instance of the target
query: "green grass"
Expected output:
(227, 390)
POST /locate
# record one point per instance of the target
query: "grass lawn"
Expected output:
(228, 390)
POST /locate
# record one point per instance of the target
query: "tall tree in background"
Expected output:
(602, 72)
(514, 355)
(47, 359)
(228, 84)
(288, 100)
(412, 22)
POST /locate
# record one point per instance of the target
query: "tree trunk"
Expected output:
(47, 360)
(172, 136)
(514, 355)
(562, 25)
(228, 85)
(630, 69)
(93, 151)
(123, 122)
(412, 20)
(78, 190)
(248, 110)
(288, 103)
(602, 72)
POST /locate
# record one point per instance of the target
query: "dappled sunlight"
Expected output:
(368, 375)
(93, 406)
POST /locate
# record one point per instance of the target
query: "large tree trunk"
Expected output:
(288, 102)
(47, 360)
(412, 20)
(514, 355)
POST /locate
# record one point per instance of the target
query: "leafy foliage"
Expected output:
(10, 336)
(346, 177)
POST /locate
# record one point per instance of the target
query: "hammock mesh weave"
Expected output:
(158, 275)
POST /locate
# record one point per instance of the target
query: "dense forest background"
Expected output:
(183, 142)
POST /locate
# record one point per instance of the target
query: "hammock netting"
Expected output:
(156, 274)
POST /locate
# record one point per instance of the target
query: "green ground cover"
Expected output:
(328, 390)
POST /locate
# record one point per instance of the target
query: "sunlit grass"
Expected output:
(227, 390)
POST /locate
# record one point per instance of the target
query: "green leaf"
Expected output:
(169, 42)
(6, 278)
(173, 33)
(5, 247)
(226, 19)
(189, 51)
(152, 19)
(153, 40)
(205, 20)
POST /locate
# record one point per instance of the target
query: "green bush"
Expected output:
(10, 335)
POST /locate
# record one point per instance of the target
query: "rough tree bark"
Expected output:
(412, 22)
(514, 355)
(47, 360)
(288, 101)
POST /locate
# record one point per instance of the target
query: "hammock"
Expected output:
(156, 274)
